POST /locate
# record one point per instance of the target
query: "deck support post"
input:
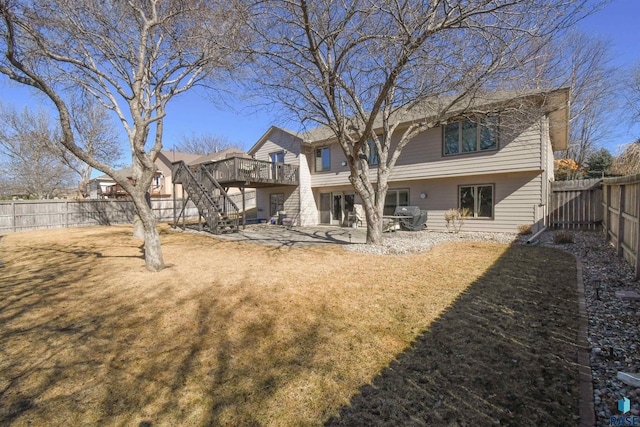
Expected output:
(244, 209)
(174, 204)
(184, 213)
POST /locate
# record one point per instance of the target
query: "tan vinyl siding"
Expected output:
(308, 207)
(291, 201)
(422, 158)
(516, 198)
(278, 141)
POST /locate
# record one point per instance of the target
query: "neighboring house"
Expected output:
(104, 187)
(162, 186)
(499, 166)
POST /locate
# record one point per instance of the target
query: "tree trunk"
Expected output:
(374, 223)
(374, 232)
(147, 222)
(138, 227)
(138, 224)
(373, 209)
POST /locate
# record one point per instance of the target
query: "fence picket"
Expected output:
(25, 215)
(624, 231)
(570, 205)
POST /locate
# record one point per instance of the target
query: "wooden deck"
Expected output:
(240, 171)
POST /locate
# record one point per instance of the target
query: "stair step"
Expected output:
(209, 201)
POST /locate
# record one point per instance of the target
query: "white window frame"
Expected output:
(275, 154)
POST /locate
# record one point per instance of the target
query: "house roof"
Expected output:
(265, 136)
(107, 178)
(218, 155)
(554, 101)
(176, 156)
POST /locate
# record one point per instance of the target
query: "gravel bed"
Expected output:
(614, 324)
(408, 242)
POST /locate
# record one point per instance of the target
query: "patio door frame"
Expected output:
(332, 218)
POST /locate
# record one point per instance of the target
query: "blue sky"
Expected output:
(192, 112)
(619, 23)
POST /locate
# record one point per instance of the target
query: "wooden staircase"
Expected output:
(220, 213)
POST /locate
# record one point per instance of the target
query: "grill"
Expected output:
(415, 218)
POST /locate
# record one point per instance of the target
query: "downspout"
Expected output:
(533, 240)
(544, 165)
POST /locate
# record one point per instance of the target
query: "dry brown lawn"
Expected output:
(242, 334)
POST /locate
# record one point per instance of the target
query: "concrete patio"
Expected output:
(277, 235)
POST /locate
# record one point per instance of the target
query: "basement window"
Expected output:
(477, 199)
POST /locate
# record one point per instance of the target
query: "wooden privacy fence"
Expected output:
(24, 215)
(622, 217)
(575, 205)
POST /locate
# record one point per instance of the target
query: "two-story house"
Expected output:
(497, 164)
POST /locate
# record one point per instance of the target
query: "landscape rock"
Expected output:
(614, 323)
(628, 295)
(629, 379)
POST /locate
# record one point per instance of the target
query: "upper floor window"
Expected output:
(470, 136)
(372, 158)
(477, 200)
(323, 160)
(277, 157)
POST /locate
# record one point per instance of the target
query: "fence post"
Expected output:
(605, 210)
(621, 207)
(66, 214)
(13, 210)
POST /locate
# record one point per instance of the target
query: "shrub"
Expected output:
(524, 229)
(455, 219)
(563, 236)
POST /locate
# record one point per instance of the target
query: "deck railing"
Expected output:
(240, 169)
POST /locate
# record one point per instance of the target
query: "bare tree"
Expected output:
(584, 64)
(133, 57)
(30, 154)
(360, 68)
(628, 162)
(633, 92)
(95, 132)
(204, 143)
